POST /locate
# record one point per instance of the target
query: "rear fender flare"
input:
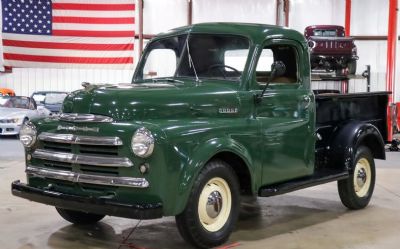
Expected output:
(352, 135)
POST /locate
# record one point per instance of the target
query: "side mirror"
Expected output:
(278, 69)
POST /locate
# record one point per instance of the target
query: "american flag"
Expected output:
(68, 33)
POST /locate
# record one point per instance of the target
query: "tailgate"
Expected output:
(331, 45)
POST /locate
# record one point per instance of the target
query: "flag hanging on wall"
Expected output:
(68, 33)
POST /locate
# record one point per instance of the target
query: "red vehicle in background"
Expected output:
(330, 50)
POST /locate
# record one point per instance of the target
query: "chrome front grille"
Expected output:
(104, 161)
(82, 159)
(86, 154)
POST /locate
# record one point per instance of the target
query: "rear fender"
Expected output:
(349, 137)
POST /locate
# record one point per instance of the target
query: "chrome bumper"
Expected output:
(104, 161)
(96, 205)
(86, 178)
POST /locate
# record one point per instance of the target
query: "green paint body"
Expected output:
(274, 138)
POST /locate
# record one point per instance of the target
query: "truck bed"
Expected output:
(334, 110)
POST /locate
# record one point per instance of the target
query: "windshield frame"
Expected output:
(138, 78)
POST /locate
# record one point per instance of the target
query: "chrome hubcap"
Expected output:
(361, 177)
(214, 204)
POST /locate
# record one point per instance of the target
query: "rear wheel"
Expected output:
(356, 191)
(212, 208)
(78, 218)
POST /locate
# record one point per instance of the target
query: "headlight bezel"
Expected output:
(28, 134)
(142, 143)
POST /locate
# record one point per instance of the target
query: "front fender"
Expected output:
(201, 155)
(349, 137)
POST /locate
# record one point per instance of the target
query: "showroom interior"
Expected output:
(245, 124)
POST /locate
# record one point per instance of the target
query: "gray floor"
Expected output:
(306, 219)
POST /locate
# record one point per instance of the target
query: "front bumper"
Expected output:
(99, 205)
(9, 128)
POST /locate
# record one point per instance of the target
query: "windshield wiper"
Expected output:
(191, 64)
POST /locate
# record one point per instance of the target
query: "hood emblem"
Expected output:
(77, 128)
(228, 110)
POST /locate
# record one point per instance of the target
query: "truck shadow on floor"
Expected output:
(272, 216)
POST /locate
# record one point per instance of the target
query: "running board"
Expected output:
(316, 179)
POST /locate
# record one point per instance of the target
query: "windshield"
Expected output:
(15, 102)
(49, 98)
(325, 32)
(199, 56)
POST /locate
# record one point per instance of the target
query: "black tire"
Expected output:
(356, 191)
(216, 176)
(79, 218)
(352, 67)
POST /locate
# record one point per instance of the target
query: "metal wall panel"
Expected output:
(253, 11)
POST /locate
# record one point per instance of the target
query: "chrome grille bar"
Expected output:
(85, 118)
(82, 159)
(86, 178)
(75, 139)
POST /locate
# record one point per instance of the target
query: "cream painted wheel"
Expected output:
(362, 177)
(356, 191)
(215, 204)
(212, 208)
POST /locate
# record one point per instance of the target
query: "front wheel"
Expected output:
(79, 218)
(212, 208)
(356, 191)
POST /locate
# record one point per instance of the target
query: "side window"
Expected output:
(285, 53)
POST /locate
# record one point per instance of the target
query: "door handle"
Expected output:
(307, 101)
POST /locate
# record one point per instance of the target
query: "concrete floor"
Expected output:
(306, 219)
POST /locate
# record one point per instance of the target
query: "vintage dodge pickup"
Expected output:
(205, 122)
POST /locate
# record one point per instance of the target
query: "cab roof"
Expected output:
(255, 32)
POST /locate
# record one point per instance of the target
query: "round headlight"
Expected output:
(27, 134)
(142, 143)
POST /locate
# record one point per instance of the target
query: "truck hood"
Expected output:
(160, 100)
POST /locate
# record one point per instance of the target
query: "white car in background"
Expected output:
(14, 111)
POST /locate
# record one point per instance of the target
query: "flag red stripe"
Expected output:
(74, 46)
(63, 59)
(93, 20)
(101, 7)
(84, 33)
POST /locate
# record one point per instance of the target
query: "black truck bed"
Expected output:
(335, 110)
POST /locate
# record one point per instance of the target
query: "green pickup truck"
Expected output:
(215, 112)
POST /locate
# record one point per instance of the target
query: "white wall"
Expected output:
(304, 13)
(252, 11)
(369, 17)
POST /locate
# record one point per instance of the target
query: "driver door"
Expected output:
(285, 115)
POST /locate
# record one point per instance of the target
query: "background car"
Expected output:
(6, 92)
(14, 111)
(330, 50)
(51, 100)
